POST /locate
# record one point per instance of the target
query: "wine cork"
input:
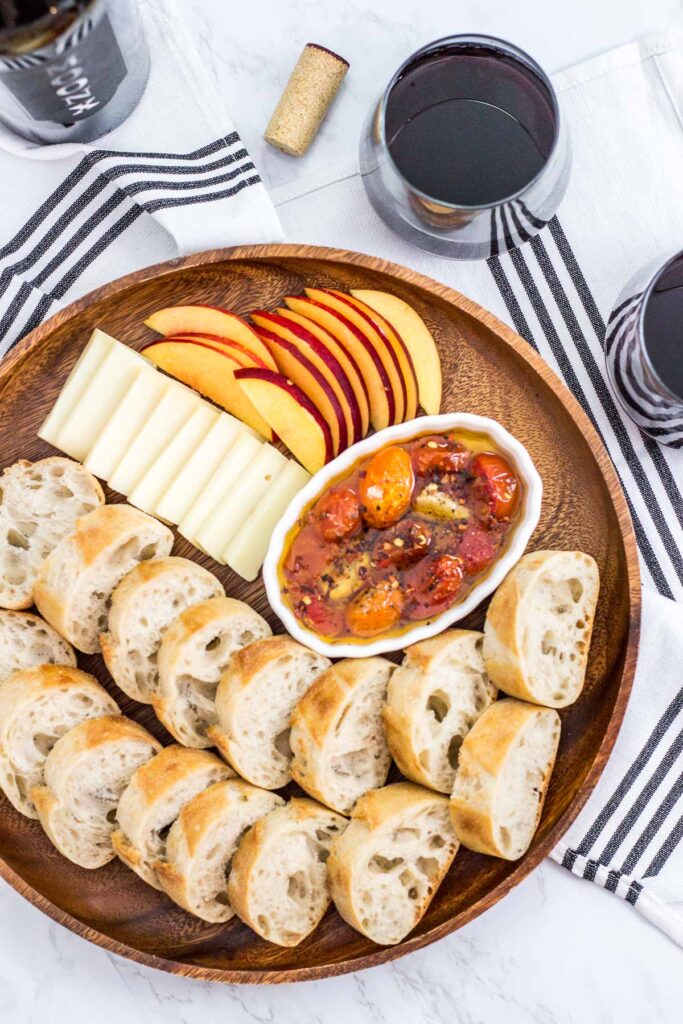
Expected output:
(312, 86)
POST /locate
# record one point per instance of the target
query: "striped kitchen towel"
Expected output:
(174, 178)
(623, 208)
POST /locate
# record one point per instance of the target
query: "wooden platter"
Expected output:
(488, 369)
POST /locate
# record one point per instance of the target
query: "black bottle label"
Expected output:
(73, 85)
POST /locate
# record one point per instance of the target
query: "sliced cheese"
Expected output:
(246, 551)
(106, 389)
(126, 421)
(173, 410)
(192, 478)
(240, 455)
(87, 364)
(170, 461)
(226, 519)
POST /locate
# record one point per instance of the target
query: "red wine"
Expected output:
(663, 327)
(469, 126)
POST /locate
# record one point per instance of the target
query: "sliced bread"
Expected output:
(387, 865)
(505, 765)
(143, 606)
(86, 772)
(278, 881)
(27, 641)
(337, 738)
(539, 626)
(193, 655)
(152, 801)
(40, 502)
(254, 703)
(75, 582)
(202, 842)
(433, 699)
(37, 706)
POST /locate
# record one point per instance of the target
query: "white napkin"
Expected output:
(623, 207)
(173, 178)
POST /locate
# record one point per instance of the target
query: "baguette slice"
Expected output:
(337, 739)
(254, 703)
(86, 772)
(387, 865)
(278, 881)
(26, 641)
(37, 706)
(202, 842)
(75, 582)
(193, 655)
(505, 765)
(152, 801)
(143, 606)
(539, 626)
(40, 503)
(433, 699)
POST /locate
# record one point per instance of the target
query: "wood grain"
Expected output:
(488, 370)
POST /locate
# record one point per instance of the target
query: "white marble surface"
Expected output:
(558, 950)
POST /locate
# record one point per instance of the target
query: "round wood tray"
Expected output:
(489, 370)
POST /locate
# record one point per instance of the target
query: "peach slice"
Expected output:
(292, 415)
(370, 362)
(344, 358)
(418, 340)
(212, 320)
(322, 358)
(237, 352)
(373, 320)
(297, 367)
(211, 372)
(379, 342)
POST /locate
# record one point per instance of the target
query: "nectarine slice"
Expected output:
(241, 355)
(394, 340)
(291, 414)
(418, 340)
(344, 358)
(294, 364)
(380, 390)
(323, 360)
(213, 320)
(211, 372)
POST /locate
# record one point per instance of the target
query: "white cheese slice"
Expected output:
(87, 364)
(241, 454)
(171, 460)
(173, 410)
(87, 419)
(126, 421)
(193, 477)
(246, 551)
(226, 519)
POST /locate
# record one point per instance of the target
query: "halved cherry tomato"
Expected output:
(476, 550)
(440, 455)
(376, 609)
(403, 544)
(338, 514)
(386, 486)
(435, 586)
(498, 483)
(325, 620)
(307, 558)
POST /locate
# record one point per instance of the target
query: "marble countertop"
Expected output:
(557, 950)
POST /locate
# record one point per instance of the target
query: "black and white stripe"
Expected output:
(551, 305)
(93, 206)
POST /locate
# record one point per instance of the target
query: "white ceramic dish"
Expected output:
(529, 514)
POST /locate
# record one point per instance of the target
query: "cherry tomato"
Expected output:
(476, 550)
(440, 455)
(307, 557)
(386, 486)
(435, 587)
(375, 610)
(403, 544)
(338, 514)
(325, 620)
(497, 482)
